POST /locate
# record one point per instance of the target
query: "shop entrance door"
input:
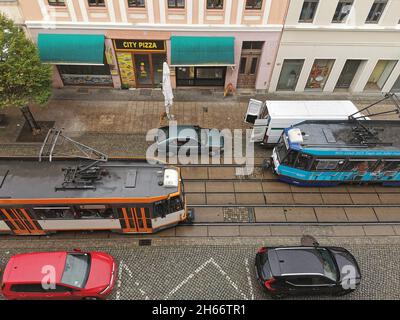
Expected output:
(248, 70)
(349, 71)
(144, 70)
(20, 222)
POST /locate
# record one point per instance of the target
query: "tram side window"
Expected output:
(392, 166)
(359, 165)
(45, 213)
(93, 212)
(327, 165)
(175, 204)
(161, 209)
(303, 161)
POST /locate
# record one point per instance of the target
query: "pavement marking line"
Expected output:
(198, 270)
(124, 266)
(249, 278)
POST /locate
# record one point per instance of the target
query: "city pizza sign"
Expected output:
(140, 45)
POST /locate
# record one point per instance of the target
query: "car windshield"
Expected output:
(328, 264)
(76, 270)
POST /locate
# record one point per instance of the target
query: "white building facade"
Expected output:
(339, 46)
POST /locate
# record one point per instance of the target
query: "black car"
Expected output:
(283, 271)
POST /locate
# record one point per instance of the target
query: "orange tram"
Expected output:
(123, 195)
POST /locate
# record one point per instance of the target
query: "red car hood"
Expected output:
(101, 271)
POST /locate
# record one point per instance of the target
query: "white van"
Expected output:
(272, 117)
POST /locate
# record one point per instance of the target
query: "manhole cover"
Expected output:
(144, 242)
(83, 90)
(238, 214)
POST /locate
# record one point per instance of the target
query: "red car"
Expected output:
(59, 275)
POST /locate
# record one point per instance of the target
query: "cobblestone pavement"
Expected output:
(219, 269)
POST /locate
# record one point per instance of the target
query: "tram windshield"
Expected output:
(281, 150)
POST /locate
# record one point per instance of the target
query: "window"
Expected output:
(175, 205)
(136, 3)
(96, 3)
(300, 281)
(242, 67)
(308, 11)
(342, 11)
(46, 213)
(327, 165)
(319, 74)
(252, 45)
(161, 209)
(176, 3)
(302, 161)
(290, 74)
(76, 271)
(361, 166)
(59, 3)
(215, 4)
(254, 4)
(93, 212)
(393, 166)
(376, 11)
(328, 265)
(34, 288)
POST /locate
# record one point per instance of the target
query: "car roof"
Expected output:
(192, 133)
(30, 267)
(295, 261)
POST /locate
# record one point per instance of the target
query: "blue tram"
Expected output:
(327, 153)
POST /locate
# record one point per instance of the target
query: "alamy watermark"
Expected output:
(193, 145)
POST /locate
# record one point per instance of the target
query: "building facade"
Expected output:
(11, 9)
(339, 45)
(123, 43)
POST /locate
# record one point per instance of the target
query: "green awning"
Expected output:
(202, 51)
(71, 49)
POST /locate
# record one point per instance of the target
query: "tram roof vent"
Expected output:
(130, 181)
(295, 135)
(171, 178)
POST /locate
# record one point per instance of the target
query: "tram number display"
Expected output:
(140, 45)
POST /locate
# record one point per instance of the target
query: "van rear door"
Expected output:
(254, 110)
(260, 129)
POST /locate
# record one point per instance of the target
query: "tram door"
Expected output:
(20, 222)
(135, 219)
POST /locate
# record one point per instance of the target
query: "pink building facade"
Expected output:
(229, 41)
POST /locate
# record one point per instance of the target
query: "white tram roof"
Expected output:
(323, 110)
(30, 179)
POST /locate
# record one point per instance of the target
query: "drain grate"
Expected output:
(239, 214)
(144, 242)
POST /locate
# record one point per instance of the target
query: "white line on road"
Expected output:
(249, 279)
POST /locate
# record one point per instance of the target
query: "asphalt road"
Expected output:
(218, 269)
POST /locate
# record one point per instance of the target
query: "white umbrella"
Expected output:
(167, 89)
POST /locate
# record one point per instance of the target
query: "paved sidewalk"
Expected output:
(115, 120)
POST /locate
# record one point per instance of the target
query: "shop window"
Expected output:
(290, 74)
(136, 3)
(85, 75)
(376, 11)
(200, 76)
(308, 11)
(215, 4)
(58, 3)
(254, 4)
(319, 74)
(158, 60)
(176, 3)
(342, 11)
(96, 3)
